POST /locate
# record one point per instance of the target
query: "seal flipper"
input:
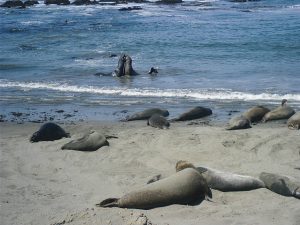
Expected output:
(296, 193)
(108, 203)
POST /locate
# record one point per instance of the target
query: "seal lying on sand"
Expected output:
(89, 142)
(158, 121)
(186, 187)
(283, 185)
(282, 112)
(294, 121)
(49, 132)
(146, 114)
(195, 113)
(224, 181)
(239, 122)
(124, 67)
(256, 113)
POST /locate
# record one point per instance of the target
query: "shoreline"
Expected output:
(41, 184)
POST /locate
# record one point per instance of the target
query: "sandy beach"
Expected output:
(42, 184)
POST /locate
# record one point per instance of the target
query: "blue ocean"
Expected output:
(224, 55)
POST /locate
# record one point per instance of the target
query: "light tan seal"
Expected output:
(186, 187)
(239, 122)
(158, 121)
(224, 181)
(294, 121)
(256, 113)
(283, 185)
(282, 112)
(91, 141)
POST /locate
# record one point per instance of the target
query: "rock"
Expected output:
(130, 8)
(31, 3)
(57, 2)
(169, 1)
(13, 3)
(84, 2)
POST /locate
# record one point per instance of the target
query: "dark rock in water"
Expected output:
(60, 111)
(113, 55)
(244, 0)
(153, 70)
(31, 3)
(12, 4)
(169, 1)
(130, 8)
(49, 132)
(84, 2)
(57, 2)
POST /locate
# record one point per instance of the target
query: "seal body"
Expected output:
(124, 67)
(146, 114)
(294, 121)
(195, 113)
(282, 112)
(256, 113)
(225, 181)
(283, 185)
(49, 132)
(158, 121)
(91, 141)
(186, 187)
(239, 122)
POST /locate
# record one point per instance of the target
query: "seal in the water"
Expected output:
(256, 113)
(282, 112)
(283, 185)
(49, 132)
(153, 70)
(89, 142)
(195, 113)
(239, 122)
(158, 121)
(294, 121)
(225, 181)
(186, 187)
(124, 67)
(146, 114)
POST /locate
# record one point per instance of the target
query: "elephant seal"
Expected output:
(283, 185)
(158, 121)
(294, 121)
(239, 122)
(195, 113)
(124, 67)
(282, 112)
(181, 164)
(186, 187)
(49, 132)
(146, 114)
(153, 70)
(91, 141)
(256, 113)
(225, 181)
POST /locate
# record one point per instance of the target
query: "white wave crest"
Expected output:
(200, 94)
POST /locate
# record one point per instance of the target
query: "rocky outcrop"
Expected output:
(13, 4)
(57, 2)
(31, 2)
(84, 2)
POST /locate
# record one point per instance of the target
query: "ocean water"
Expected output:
(215, 53)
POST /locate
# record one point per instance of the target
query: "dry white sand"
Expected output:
(41, 184)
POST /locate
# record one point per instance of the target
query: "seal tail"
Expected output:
(108, 203)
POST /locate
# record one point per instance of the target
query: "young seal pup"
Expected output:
(158, 121)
